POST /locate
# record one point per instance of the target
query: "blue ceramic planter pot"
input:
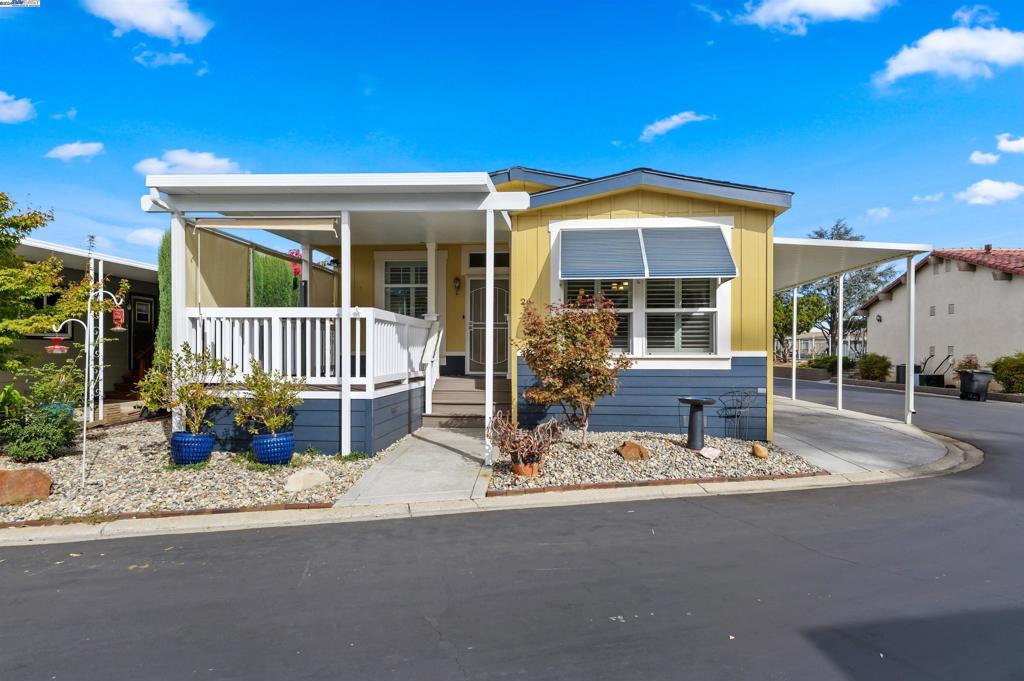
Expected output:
(187, 449)
(274, 449)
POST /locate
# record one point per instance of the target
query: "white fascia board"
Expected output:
(297, 204)
(82, 253)
(895, 247)
(323, 182)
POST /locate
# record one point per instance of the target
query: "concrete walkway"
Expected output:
(844, 442)
(434, 464)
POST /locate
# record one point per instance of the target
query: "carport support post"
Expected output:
(179, 322)
(792, 354)
(431, 316)
(908, 375)
(839, 347)
(489, 339)
(345, 267)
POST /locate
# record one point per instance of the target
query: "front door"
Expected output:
(142, 331)
(477, 329)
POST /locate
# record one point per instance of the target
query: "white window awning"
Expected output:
(804, 261)
(645, 253)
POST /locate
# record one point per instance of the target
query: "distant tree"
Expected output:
(858, 287)
(810, 311)
(163, 326)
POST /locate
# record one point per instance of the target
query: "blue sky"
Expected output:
(866, 109)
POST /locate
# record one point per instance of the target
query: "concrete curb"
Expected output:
(959, 456)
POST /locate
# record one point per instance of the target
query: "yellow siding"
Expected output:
(751, 245)
(522, 186)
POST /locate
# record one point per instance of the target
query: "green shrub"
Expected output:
(194, 382)
(267, 407)
(163, 276)
(874, 367)
(12, 404)
(967, 362)
(53, 383)
(1009, 371)
(38, 435)
(829, 362)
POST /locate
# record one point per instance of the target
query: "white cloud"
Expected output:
(990, 192)
(881, 213)
(13, 110)
(793, 16)
(928, 198)
(153, 60)
(967, 51)
(660, 127)
(975, 15)
(71, 114)
(145, 236)
(169, 19)
(66, 152)
(1009, 145)
(713, 14)
(184, 161)
(983, 158)
(203, 70)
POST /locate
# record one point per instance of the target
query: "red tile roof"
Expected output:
(1003, 259)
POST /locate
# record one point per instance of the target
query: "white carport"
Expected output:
(799, 262)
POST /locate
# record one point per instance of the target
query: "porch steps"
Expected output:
(458, 401)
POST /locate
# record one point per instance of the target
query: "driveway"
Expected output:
(920, 580)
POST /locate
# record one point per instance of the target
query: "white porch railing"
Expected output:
(306, 342)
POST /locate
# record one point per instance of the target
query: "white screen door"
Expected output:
(477, 328)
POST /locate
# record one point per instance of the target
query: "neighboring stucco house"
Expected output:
(418, 322)
(126, 355)
(968, 301)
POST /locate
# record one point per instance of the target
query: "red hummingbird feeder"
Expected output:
(55, 347)
(118, 317)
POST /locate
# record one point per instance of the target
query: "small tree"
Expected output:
(195, 382)
(570, 352)
(163, 276)
(268, 406)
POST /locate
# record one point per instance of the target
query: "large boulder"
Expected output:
(23, 484)
(307, 478)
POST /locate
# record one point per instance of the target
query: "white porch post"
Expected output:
(489, 339)
(179, 322)
(432, 318)
(345, 267)
(100, 378)
(307, 266)
(839, 347)
(792, 358)
(908, 387)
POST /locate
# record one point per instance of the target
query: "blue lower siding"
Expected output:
(647, 399)
(376, 423)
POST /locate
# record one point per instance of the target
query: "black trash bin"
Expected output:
(901, 374)
(974, 384)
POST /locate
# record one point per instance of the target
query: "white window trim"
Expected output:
(723, 331)
(440, 281)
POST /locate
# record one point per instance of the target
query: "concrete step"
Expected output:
(466, 409)
(467, 396)
(470, 383)
(450, 421)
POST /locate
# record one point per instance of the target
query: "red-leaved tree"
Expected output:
(570, 352)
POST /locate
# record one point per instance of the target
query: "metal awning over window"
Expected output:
(645, 253)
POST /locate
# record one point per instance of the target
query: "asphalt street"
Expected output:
(916, 580)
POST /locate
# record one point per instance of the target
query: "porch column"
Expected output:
(179, 322)
(307, 267)
(792, 357)
(908, 378)
(489, 339)
(431, 317)
(345, 270)
(839, 347)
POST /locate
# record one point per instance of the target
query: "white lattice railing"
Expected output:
(306, 342)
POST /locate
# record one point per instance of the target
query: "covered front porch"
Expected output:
(392, 269)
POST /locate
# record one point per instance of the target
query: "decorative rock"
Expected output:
(633, 451)
(759, 450)
(307, 478)
(26, 484)
(710, 453)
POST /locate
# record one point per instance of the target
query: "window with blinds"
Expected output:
(405, 287)
(680, 316)
(619, 292)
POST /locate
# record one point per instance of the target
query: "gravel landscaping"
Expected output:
(129, 472)
(569, 463)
